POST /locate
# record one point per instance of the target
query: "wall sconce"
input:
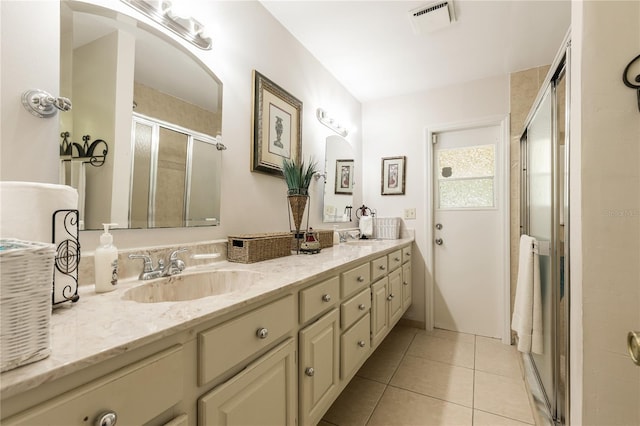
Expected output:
(162, 12)
(42, 104)
(331, 122)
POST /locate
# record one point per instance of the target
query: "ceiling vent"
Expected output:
(432, 17)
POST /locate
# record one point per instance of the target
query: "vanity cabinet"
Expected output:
(264, 393)
(135, 395)
(319, 367)
(407, 288)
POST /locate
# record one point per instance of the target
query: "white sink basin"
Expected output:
(192, 286)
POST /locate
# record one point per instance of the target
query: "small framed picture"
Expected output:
(344, 176)
(277, 131)
(393, 174)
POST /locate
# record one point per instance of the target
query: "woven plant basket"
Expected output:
(26, 270)
(297, 203)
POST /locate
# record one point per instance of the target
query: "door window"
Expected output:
(466, 177)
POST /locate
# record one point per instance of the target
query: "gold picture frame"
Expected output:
(344, 176)
(393, 175)
(277, 126)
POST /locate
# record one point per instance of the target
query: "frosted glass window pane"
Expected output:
(466, 193)
(469, 162)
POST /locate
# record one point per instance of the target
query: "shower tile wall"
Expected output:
(524, 86)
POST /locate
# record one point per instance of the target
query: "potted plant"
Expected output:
(298, 178)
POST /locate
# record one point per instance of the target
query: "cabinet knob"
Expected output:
(360, 279)
(408, 254)
(382, 267)
(391, 296)
(262, 333)
(362, 307)
(326, 298)
(108, 418)
(405, 283)
(361, 343)
(309, 371)
(397, 259)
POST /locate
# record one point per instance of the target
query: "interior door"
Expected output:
(468, 276)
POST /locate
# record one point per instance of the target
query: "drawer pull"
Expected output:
(309, 371)
(391, 296)
(405, 283)
(408, 254)
(360, 279)
(108, 418)
(361, 343)
(362, 307)
(262, 333)
(382, 267)
(326, 298)
(397, 259)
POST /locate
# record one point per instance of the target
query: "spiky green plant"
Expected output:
(298, 176)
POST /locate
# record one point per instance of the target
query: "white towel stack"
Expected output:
(366, 226)
(527, 311)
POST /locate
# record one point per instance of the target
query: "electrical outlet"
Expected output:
(410, 213)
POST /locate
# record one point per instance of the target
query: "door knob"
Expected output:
(439, 241)
(633, 343)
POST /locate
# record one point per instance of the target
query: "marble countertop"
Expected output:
(101, 326)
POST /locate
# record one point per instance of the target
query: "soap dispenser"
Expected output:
(336, 235)
(106, 262)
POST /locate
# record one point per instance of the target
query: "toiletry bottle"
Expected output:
(106, 262)
(336, 235)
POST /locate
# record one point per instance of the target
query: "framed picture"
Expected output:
(277, 130)
(393, 174)
(344, 177)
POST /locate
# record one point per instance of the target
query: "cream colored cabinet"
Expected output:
(379, 316)
(264, 393)
(379, 268)
(355, 345)
(394, 298)
(133, 395)
(319, 369)
(319, 298)
(394, 260)
(406, 286)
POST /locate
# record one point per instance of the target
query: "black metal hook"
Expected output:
(629, 84)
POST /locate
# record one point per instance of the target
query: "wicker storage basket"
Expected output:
(258, 247)
(26, 272)
(386, 228)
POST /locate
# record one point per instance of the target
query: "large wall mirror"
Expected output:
(339, 180)
(159, 111)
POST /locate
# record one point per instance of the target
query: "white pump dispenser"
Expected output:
(106, 262)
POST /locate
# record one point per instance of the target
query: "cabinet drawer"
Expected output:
(354, 308)
(379, 268)
(318, 298)
(136, 394)
(355, 279)
(406, 254)
(355, 346)
(394, 259)
(229, 344)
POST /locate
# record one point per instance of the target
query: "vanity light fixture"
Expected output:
(331, 123)
(162, 12)
(42, 104)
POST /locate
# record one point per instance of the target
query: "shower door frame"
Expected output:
(554, 408)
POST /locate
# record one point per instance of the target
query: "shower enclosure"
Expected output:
(544, 215)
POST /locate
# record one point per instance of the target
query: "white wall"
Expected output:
(245, 37)
(605, 214)
(396, 127)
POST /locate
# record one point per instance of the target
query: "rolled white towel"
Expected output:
(366, 226)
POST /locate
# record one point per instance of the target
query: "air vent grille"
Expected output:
(432, 17)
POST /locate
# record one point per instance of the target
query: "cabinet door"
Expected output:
(406, 286)
(319, 367)
(395, 297)
(262, 394)
(379, 316)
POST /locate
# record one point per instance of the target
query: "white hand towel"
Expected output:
(366, 226)
(527, 311)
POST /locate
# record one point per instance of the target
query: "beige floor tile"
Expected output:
(448, 334)
(480, 418)
(449, 351)
(501, 395)
(492, 356)
(323, 423)
(355, 404)
(384, 361)
(398, 407)
(436, 379)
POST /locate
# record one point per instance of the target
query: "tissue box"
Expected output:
(386, 228)
(252, 248)
(26, 269)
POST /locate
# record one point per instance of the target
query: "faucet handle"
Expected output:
(148, 263)
(174, 254)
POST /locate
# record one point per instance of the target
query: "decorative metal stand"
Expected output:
(65, 272)
(636, 81)
(94, 153)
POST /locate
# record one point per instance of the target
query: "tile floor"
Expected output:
(435, 378)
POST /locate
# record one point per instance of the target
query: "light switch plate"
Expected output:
(410, 213)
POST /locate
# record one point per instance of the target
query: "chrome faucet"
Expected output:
(148, 271)
(175, 265)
